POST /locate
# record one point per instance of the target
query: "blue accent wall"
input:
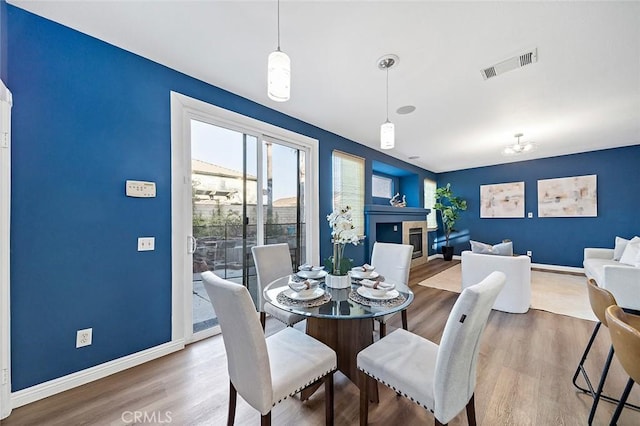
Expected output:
(389, 232)
(86, 117)
(555, 241)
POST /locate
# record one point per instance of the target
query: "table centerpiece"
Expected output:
(342, 233)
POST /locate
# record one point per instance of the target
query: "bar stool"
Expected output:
(600, 299)
(625, 338)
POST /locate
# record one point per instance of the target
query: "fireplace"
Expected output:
(379, 218)
(415, 233)
(415, 239)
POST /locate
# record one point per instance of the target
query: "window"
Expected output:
(381, 187)
(429, 201)
(348, 186)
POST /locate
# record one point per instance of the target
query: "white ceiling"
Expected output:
(582, 95)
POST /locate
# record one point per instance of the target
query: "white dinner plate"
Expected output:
(362, 275)
(318, 292)
(364, 292)
(312, 274)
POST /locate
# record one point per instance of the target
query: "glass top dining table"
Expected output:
(349, 303)
(342, 319)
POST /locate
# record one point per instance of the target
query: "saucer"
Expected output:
(364, 292)
(318, 292)
(312, 274)
(362, 275)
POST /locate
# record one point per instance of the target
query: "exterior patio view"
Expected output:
(221, 198)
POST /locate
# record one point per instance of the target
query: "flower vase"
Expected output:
(338, 281)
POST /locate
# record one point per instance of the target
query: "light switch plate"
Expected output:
(530, 215)
(140, 189)
(146, 243)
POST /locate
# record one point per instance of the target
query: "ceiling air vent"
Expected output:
(510, 64)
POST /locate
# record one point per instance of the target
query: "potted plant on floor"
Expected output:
(449, 207)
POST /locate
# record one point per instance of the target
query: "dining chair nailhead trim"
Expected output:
(306, 385)
(396, 390)
(290, 322)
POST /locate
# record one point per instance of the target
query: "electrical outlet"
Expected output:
(84, 337)
(529, 253)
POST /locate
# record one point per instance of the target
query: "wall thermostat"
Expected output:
(141, 189)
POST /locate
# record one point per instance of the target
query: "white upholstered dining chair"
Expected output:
(272, 261)
(441, 378)
(393, 262)
(266, 371)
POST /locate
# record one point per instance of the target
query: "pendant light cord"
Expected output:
(278, 25)
(387, 93)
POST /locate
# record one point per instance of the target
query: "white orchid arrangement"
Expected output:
(342, 233)
(342, 229)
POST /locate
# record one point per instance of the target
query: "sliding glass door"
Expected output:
(283, 182)
(247, 189)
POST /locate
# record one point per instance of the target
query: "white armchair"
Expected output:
(515, 297)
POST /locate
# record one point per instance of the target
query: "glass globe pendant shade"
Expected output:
(387, 135)
(279, 76)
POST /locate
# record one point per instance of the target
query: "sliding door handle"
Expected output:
(191, 244)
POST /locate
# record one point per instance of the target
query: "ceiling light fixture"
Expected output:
(518, 148)
(279, 72)
(387, 129)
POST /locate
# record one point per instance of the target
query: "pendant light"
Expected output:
(279, 72)
(387, 129)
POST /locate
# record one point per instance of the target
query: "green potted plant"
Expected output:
(449, 207)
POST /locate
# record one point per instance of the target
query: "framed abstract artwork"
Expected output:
(502, 200)
(568, 197)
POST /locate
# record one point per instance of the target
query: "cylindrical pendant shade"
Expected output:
(387, 135)
(279, 76)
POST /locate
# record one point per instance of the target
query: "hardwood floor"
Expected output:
(525, 368)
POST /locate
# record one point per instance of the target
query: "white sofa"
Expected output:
(515, 297)
(623, 281)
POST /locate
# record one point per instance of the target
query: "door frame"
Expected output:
(5, 229)
(183, 110)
